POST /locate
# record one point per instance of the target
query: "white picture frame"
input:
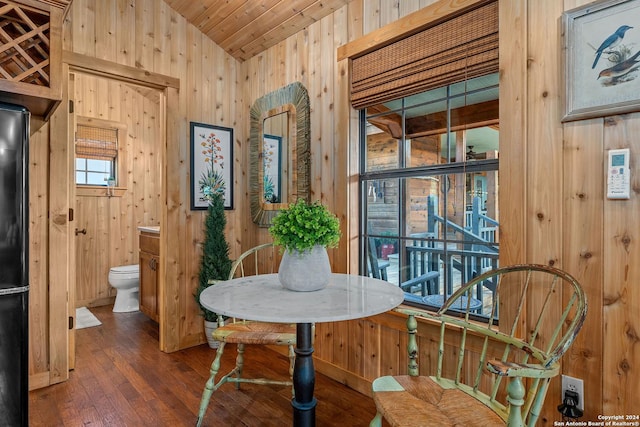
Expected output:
(602, 78)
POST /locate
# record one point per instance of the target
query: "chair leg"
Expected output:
(376, 421)
(239, 364)
(210, 386)
(292, 362)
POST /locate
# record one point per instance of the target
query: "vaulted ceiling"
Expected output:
(244, 28)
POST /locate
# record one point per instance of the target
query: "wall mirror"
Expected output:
(279, 152)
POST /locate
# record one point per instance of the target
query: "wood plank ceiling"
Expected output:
(244, 28)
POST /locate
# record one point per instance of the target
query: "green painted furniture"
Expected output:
(481, 374)
(242, 333)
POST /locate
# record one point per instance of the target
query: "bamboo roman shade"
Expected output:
(96, 143)
(460, 48)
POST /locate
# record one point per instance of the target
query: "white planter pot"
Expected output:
(305, 271)
(209, 327)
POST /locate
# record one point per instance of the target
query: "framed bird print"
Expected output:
(602, 59)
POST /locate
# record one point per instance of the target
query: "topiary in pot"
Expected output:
(304, 231)
(214, 263)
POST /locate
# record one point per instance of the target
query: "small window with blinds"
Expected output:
(96, 155)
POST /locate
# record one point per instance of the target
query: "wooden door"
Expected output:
(60, 262)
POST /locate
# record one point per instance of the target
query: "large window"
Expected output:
(429, 190)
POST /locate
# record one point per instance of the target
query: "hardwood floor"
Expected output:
(122, 379)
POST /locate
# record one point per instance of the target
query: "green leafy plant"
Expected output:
(215, 263)
(302, 226)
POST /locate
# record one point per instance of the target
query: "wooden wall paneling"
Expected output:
(161, 36)
(389, 11)
(405, 8)
(290, 47)
(323, 345)
(514, 100)
(315, 96)
(371, 16)
(326, 113)
(302, 57)
(205, 82)
(151, 189)
(102, 99)
(583, 250)
(228, 101)
(194, 223)
(355, 341)
(125, 25)
(328, 157)
(389, 357)
(144, 42)
(544, 154)
(340, 138)
(38, 255)
(105, 27)
(127, 154)
(82, 16)
(621, 277)
(371, 349)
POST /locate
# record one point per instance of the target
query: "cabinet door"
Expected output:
(148, 285)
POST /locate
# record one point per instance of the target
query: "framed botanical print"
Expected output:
(211, 164)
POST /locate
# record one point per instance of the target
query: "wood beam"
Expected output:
(110, 69)
(468, 117)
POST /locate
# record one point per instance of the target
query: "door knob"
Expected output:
(83, 231)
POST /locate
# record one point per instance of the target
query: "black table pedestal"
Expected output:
(304, 404)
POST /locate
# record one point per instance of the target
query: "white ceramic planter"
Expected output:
(209, 327)
(305, 272)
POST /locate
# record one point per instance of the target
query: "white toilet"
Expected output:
(126, 280)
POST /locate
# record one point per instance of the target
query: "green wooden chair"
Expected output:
(541, 311)
(242, 333)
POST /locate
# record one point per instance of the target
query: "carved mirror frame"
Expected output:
(294, 100)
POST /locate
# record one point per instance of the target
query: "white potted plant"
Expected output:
(304, 231)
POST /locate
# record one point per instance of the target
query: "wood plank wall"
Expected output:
(552, 199)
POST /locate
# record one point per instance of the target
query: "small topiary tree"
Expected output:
(214, 263)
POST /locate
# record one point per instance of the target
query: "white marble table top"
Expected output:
(263, 298)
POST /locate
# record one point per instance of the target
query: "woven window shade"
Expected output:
(461, 48)
(96, 143)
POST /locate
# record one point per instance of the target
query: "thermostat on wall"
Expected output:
(618, 174)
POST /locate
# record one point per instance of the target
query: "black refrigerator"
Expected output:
(14, 263)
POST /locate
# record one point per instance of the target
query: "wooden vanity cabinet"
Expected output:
(149, 261)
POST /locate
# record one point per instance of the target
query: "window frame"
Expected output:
(402, 173)
(120, 166)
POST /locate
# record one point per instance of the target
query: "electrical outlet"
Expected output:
(576, 385)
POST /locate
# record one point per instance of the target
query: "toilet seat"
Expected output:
(125, 269)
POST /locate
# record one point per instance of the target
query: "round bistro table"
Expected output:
(262, 298)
